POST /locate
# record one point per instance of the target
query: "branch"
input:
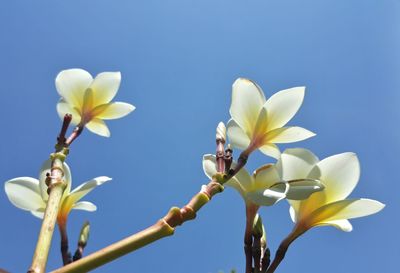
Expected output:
(66, 255)
(251, 211)
(283, 247)
(56, 186)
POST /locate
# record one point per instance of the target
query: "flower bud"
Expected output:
(221, 132)
(84, 235)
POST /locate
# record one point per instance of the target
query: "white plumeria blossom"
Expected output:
(258, 123)
(265, 187)
(340, 174)
(31, 194)
(88, 100)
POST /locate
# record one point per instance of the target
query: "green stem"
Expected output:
(157, 231)
(56, 187)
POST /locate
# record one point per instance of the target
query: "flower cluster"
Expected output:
(316, 190)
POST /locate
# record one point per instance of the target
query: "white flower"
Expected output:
(31, 194)
(258, 123)
(265, 187)
(89, 100)
(340, 174)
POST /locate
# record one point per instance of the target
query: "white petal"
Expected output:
(209, 165)
(288, 135)
(24, 193)
(344, 209)
(38, 214)
(343, 225)
(296, 163)
(282, 106)
(98, 127)
(242, 181)
(237, 136)
(271, 150)
(84, 205)
(293, 211)
(302, 188)
(71, 85)
(105, 87)
(247, 101)
(339, 174)
(266, 176)
(268, 197)
(85, 188)
(46, 166)
(113, 110)
(64, 108)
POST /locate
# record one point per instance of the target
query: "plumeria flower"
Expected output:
(340, 174)
(258, 123)
(89, 100)
(265, 187)
(31, 194)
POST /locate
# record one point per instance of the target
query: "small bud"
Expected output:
(258, 227)
(84, 235)
(221, 132)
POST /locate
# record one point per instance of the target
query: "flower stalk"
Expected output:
(65, 254)
(251, 211)
(283, 248)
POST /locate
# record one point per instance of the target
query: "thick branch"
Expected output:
(56, 187)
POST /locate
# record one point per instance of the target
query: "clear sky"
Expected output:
(178, 60)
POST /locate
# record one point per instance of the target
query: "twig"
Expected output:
(66, 255)
(251, 211)
(265, 260)
(74, 135)
(61, 137)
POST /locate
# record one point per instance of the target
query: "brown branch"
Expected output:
(66, 255)
(75, 134)
(61, 137)
(251, 211)
(283, 247)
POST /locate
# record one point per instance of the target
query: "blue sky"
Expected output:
(178, 60)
